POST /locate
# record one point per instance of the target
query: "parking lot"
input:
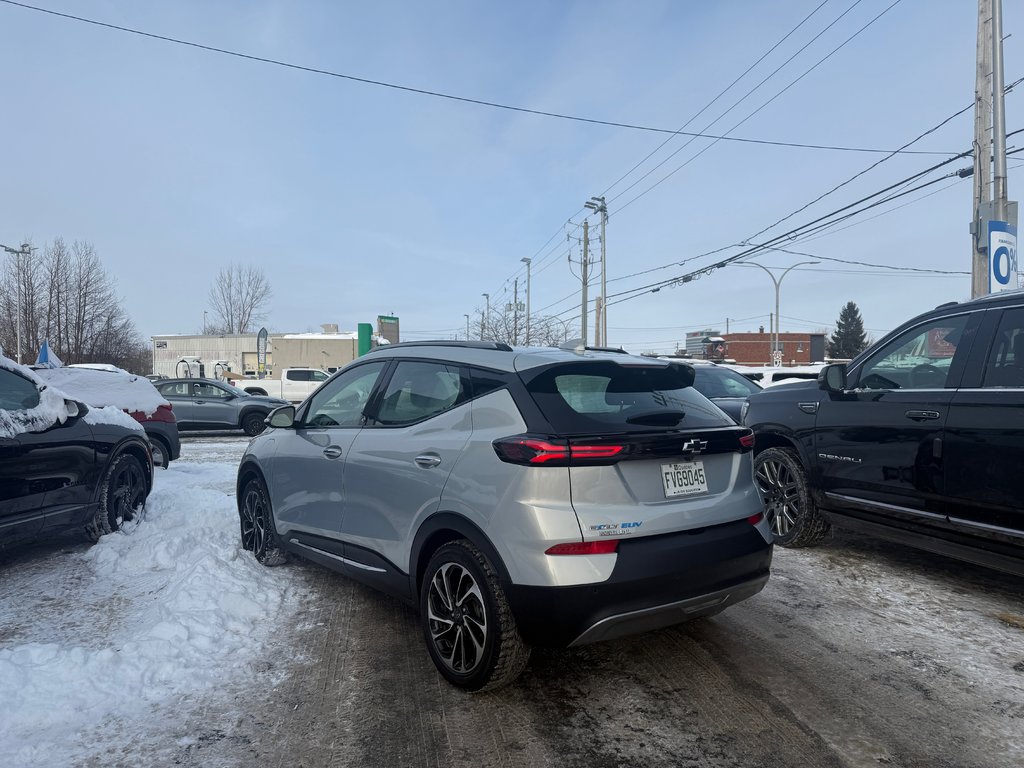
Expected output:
(857, 653)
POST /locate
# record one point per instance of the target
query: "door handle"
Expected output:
(922, 415)
(332, 452)
(428, 460)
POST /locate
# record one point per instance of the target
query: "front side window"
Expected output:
(341, 403)
(917, 359)
(16, 392)
(418, 391)
(318, 376)
(210, 392)
(1005, 364)
(589, 398)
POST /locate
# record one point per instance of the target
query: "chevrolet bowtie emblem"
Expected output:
(694, 446)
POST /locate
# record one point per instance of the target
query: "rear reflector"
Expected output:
(755, 519)
(747, 441)
(603, 547)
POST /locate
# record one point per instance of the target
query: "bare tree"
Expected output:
(545, 330)
(68, 299)
(238, 298)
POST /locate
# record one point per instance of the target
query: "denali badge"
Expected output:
(833, 457)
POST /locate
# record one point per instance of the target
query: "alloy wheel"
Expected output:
(781, 491)
(127, 497)
(457, 618)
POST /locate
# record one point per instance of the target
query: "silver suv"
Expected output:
(518, 497)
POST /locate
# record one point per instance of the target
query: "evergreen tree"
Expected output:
(849, 338)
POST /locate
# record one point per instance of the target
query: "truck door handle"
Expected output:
(428, 460)
(332, 452)
(922, 415)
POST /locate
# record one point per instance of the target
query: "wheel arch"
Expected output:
(248, 470)
(438, 530)
(250, 410)
(135, 447)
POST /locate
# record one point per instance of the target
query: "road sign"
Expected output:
(1002, 256)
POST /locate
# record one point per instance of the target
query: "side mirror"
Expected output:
(282, 418)
(832, 378)
(74, 409)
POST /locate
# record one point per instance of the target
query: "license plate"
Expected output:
(684, 478)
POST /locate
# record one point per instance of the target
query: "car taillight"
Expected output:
(538, 451)
(163, 413)
(603, 547)
(747, 441)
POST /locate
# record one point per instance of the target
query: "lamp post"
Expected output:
(487, 312)
(23, 250)
(527, 261)
(778, 284)
(467, 325)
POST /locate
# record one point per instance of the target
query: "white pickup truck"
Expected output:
(295, 384)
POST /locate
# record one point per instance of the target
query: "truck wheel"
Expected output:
(468, 625)
(788, 503)
(253, 424)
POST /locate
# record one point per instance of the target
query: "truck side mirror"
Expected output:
(832, 378)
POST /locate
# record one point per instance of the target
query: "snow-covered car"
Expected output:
(104, 385)
(64, 465)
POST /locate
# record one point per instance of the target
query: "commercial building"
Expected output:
(756, 348)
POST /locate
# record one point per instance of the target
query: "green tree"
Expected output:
(849, 338)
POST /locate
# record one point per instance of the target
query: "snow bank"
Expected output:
(157, 618)
(99, 388)
(50, 410)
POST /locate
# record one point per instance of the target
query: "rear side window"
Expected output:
(588, 398)
(1005, 366)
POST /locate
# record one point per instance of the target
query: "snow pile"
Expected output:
(99, 388)
(153, 620)
(112, 415)
(50, 410)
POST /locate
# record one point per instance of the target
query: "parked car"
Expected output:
(294, 384)
(920, 439)
(518, 497)
(210, 404)
(723, 386)
(772, 377)
(135, 395)
(64, 465)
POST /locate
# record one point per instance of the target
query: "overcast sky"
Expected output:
(360, 200)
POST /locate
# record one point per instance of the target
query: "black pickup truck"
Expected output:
(920, 439)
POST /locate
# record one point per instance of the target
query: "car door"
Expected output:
(179, 395)
(306, 471)
(399, 463)
(984, 440)
(877, 448)
(214, 405)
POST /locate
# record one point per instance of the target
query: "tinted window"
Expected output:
(917, 359)
(16, 392)
(297, 375)
(721, 382)
(418, 391)
(1005, 366)
(485, 382)
(601, 397)
(340, 403)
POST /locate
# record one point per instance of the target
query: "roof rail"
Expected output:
(500, 346)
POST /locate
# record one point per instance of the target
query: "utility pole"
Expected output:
(994, 227)
(598, 205)
(598, 314)
(583, 277)
(22, 250)
(527, 261)
(487, 313)
(515, 313)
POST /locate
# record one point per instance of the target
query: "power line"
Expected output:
(440, 94)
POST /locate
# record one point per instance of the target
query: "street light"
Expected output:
(487, 312)
(467, 325)
(23, 250)
(527, 261)
(778, 284)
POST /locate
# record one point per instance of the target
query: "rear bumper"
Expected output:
(168, 431)
(657, 581)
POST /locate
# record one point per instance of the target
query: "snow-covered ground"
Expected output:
(105, 649)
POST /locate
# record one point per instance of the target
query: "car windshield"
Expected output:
(712, 381)
(601, 397)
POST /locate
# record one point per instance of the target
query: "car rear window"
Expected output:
(721, 382)
(600, 397)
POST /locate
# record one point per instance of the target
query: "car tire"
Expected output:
(468, 626)
(256, 524)
(252, 424)
(122, 498)
(788, 504)
(161, 452)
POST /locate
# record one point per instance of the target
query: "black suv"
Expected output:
(919, 439)
(62, 466)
